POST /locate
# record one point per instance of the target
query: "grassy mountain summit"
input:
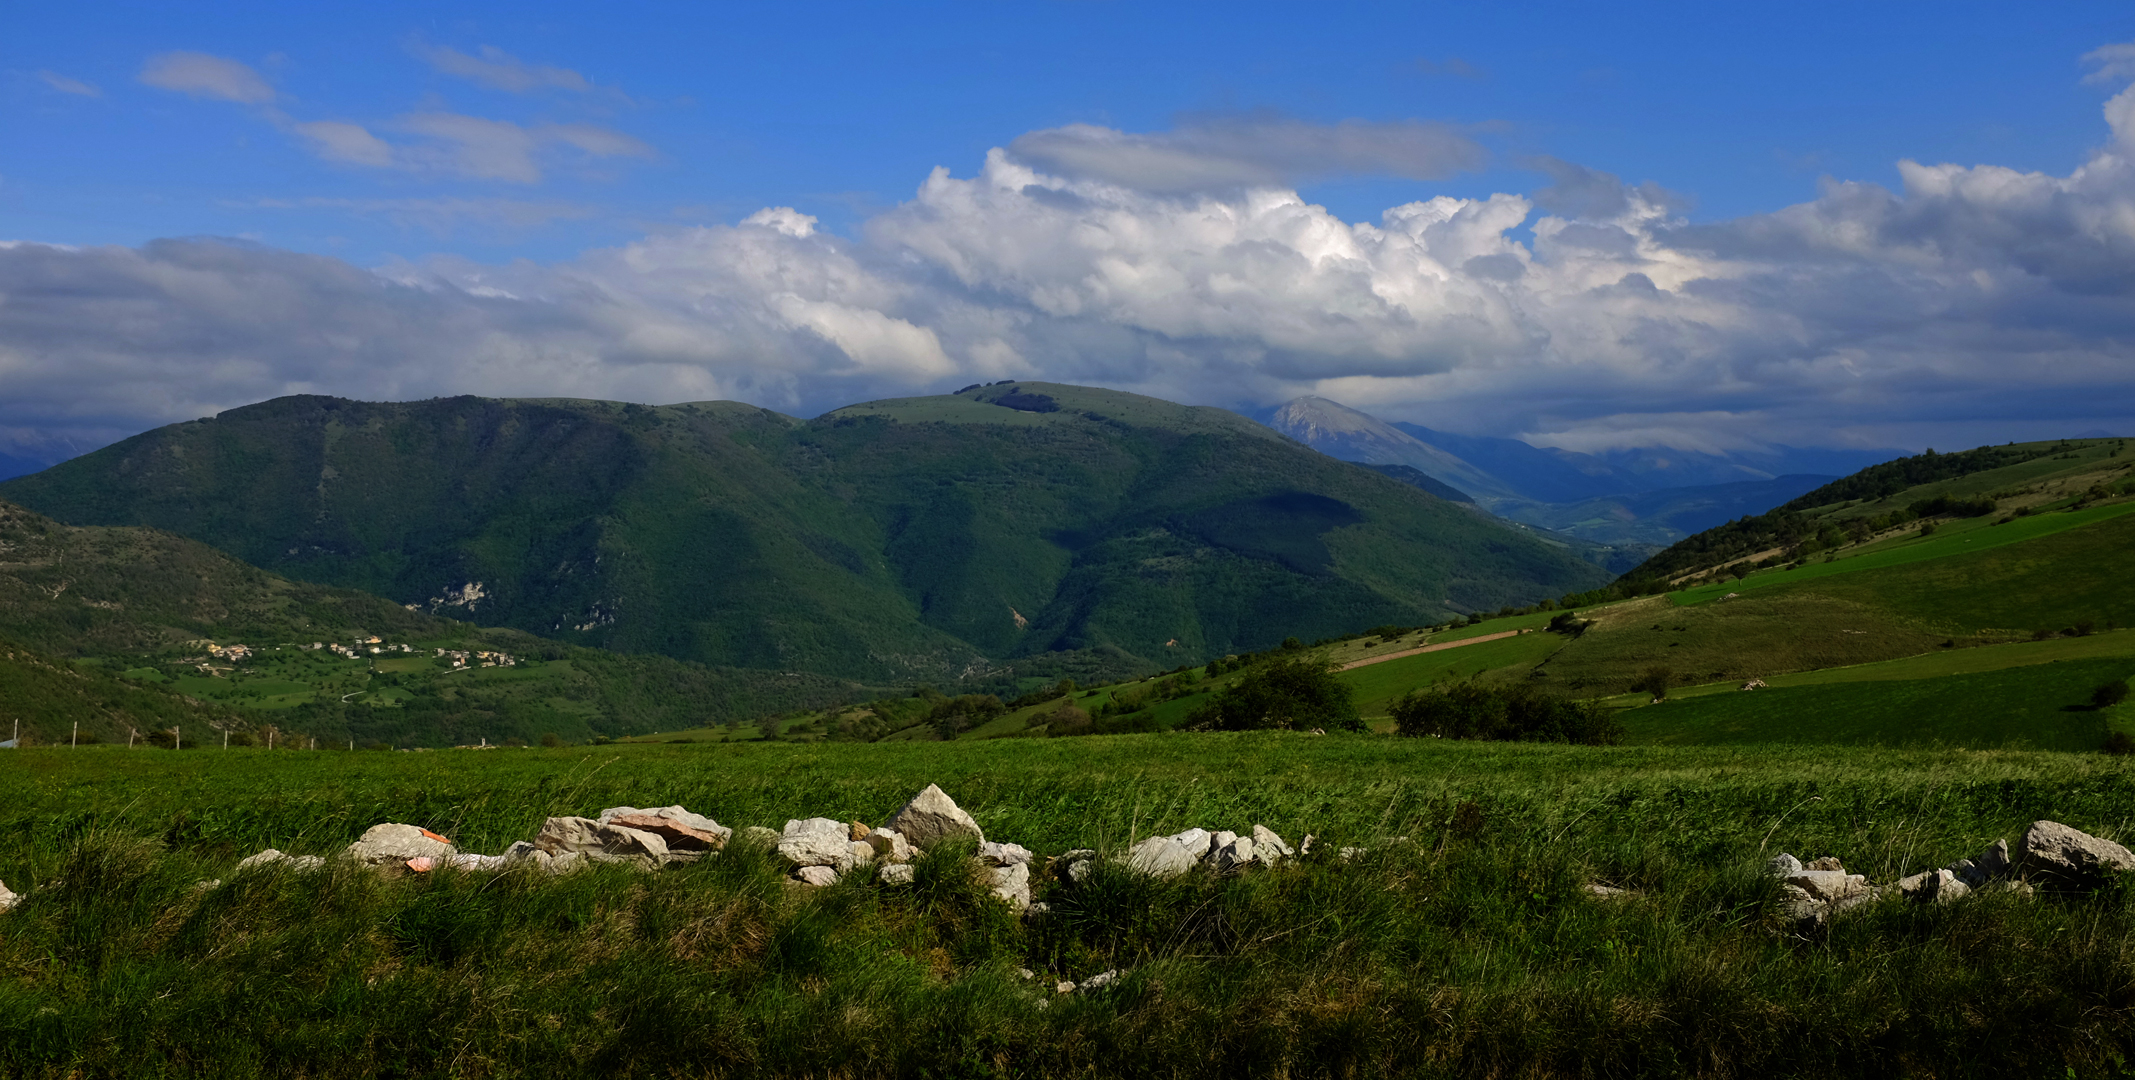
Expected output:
(921, 538)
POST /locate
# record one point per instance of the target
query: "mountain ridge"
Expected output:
(900, 540)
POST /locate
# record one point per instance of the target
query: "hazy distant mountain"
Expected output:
(922, 538)
(13, 465)
(1547, 474)
(1662, 516)
(1638, 495)
(1336, 430)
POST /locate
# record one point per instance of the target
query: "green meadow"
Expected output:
(1461, 942)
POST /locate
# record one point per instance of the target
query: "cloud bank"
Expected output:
(1184, 264)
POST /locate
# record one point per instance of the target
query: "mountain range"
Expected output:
(1642, 495)
(895, 541)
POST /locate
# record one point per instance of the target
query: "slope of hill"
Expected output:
(135, 623)
(925, 538)
(2017, 479)
(1986, 632)
(45, 700)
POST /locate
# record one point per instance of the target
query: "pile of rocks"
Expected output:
(821, 850)
(622, 834)
(1222, 851)
(2049, 855)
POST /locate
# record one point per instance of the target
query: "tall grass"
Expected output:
(1462, 943)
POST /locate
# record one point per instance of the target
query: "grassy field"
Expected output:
(1964, 537)
(1379, 684)
(1470, 949)
(2039, 706)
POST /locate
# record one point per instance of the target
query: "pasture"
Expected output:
(1461, 943)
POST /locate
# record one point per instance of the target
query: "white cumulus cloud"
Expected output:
(1588, 314)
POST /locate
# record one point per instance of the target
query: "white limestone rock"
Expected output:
(818, 876)
(1234, 856)
(1196, 842)
(889, 845)
(2069, 858)
(1162, 857)
(600, 841)
(276, 858)
(993, 854)
(391, 843)
(1829, 886)
(1073, 866)
(1934, 887)
(682, 829)
(932, 817)
(1268, 847)
(817, 842)
(1012, 883)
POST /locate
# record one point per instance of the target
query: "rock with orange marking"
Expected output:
(392, 843)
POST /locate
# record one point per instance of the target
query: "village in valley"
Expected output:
(362, 669)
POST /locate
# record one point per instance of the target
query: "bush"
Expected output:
(1295, 692)
(1568, 624)
(1067, 720)
(2118, 743)
(1471, 710)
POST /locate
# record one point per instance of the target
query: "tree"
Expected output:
(1516, 713)
(1298, 692)
(1654, 680)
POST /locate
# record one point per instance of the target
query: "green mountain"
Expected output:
(118, 627)
(894, 541)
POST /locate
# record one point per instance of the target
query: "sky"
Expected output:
(1588, 226)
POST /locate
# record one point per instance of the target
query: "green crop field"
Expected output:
(1377, 685)
(1462, 943)
(2040, 706)
(1960, 538)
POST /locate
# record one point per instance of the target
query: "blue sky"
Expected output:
(1650, 226)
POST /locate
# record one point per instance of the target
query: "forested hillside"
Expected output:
(921, 539)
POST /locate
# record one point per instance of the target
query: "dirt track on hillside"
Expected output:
(1429, 648)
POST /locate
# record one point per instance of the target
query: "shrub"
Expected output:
(1067, 720)
(1471, 710)
(1295, 692)
(2119, 743)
